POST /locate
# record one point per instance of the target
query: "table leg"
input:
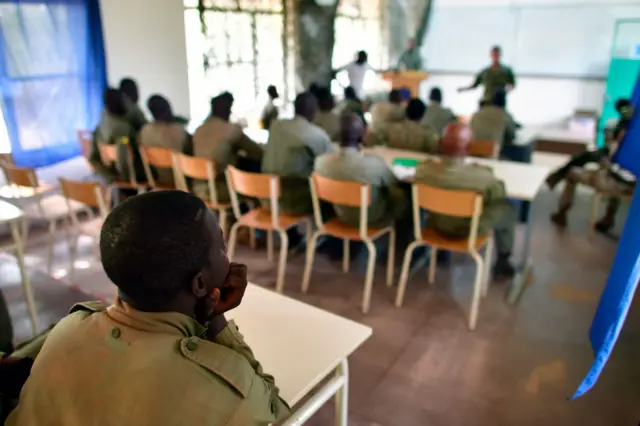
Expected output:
(342, 396)
(524, 271)
(26, 284)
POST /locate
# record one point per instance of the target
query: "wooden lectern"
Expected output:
(408, 79)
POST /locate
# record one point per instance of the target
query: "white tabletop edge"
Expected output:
(299, 344)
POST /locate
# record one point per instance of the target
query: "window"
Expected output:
(359, 27)
(239, 46)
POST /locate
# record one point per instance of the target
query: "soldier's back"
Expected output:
(113, 367)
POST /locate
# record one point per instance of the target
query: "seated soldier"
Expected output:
(270, 111)
(452, 173)
(291, 151)
(383, 113)
(437, 116)
(113, 129)
(493, 122)
(352, 104)
(326, 118)
(612, 136)
(223, 142)
(130, 93)
(163, 353)
(408, 134)
(164, 132)
(351, 164)
(608, 178)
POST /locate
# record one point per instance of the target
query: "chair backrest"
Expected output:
(157, 157)
(85, 138)
(20, 176)
(448, 202)
(187, 166)
(92, 194)
(483, 149)
(344, 193)
(256, 185)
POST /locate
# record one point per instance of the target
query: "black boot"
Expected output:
(604, 225)
(503, 267)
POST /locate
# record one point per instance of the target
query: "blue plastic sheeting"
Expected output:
(52, 76)
(625, 272)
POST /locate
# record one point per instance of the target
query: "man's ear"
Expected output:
(198, 286)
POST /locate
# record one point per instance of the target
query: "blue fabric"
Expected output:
(52, 76)
(625, 272)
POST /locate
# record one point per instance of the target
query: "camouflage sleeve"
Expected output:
(511, 78)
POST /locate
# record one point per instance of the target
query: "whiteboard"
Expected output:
(571, 41)
(460, 39)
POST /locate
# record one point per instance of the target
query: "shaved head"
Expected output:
(455, 140)
(306, 105)
(351, 130)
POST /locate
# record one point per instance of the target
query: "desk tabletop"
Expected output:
(522, 180)
(297, 343)
(9, 212)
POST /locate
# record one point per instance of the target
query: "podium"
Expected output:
(409, 79)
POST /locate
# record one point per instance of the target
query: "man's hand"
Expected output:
(462, 89)
(232, 290)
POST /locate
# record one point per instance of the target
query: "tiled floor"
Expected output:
(422, 366)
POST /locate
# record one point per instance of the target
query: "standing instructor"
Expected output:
(497, 76)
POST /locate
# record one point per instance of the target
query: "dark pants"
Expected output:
(6, 330)
(581, 160)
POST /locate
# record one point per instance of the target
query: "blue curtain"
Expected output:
(52, 76)
(625, 272)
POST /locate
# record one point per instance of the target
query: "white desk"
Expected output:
(522, 181)
(300, 345)
(260, 136)
(15, 218)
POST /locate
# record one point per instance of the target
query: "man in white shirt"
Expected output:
(356, 71)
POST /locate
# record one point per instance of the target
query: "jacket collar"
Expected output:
(155, 322)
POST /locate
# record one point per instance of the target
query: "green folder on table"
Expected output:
(409, 163)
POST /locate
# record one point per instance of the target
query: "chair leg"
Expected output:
(308, 230)
(233, 237)
(433, 258)
(488, 257)
(269, 245)
(368, 281)
(52, 240)
(595, 206)
(346, 256)
(311, 254)
(73, 252)
(282, 262)
(404, 275)
(26, 284)
(477, 289)
(391, 258)
(252, 238)
(222, 213)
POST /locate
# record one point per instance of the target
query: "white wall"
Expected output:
(536, 100)
(145, 39)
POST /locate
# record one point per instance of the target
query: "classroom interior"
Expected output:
(421, 365)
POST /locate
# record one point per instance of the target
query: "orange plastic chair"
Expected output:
(351, 194)
(463, 204)
(187, 166)
(484, 149)
(262, 186)
(157, 157)
(89, 194)
(109, 156)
